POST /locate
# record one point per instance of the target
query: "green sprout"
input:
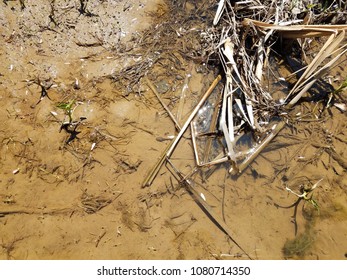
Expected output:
(305, 191)
(68, 108)
(311, 6)
(310, 199)
(304, 195)
(342, 87)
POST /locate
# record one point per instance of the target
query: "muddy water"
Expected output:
(76, 194)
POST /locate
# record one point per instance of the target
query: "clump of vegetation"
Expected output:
(299, 246)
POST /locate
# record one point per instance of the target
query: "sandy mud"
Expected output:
(75, 191)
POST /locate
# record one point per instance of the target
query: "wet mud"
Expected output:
(81, 128)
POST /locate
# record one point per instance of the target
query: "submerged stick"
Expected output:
(195, 148)
(171, 147)
(274, 131)
(207, 208)
(152, 87)
(184, 93)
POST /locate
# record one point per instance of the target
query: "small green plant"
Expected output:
(68, 108)
(303, 196)
(311, 6)
(71, 125)
(300, 245)
(342, 87)
(305, 191)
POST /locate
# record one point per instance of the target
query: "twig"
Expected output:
(183, 92)
(100, 236)
(3, 213)
(213, 125)
(150, 84)
(206, 207)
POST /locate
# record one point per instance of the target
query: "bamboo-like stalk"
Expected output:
(171, 147)
(220, 9)
(297, 31)
(192, 115)
(155, 170)
(195, 148)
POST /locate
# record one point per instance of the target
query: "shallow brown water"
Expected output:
(81, 197)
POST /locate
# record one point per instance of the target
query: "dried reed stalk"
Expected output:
(171, 147)
(311, 75)
(297, 31)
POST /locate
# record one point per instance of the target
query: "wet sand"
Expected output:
(78, 194)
